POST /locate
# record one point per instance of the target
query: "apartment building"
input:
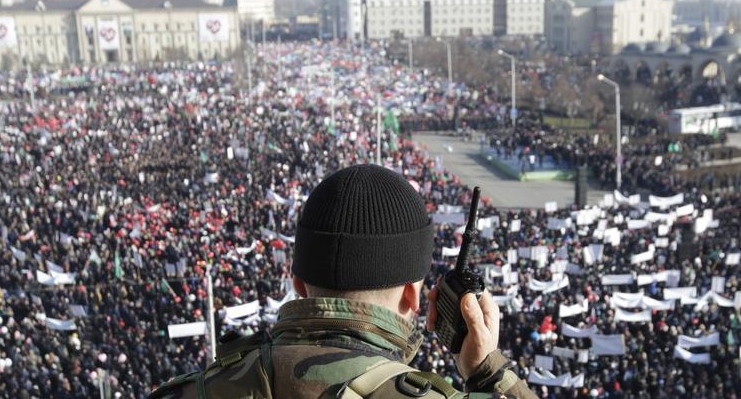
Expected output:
(104, 31)
(606, 27)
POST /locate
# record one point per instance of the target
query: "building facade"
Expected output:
(591, 26)
(256, 10)
(110, 31)
(569, 27)
(696, 13)
(525, 17)
(383, 19)
(632, 21)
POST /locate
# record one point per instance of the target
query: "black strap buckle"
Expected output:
(405, 388)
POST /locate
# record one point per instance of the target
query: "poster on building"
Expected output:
(213, 27)
(108, 34)
(8, 36)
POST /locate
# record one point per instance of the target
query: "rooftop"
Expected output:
(71, 5)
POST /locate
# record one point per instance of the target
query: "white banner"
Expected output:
(654, 217)
(563, 352)
(515, 225)
(446, 209)
(8, 35)
(55, 278)
(696, 358)
(612, 236)
(685, 210)
(716, 298)
(548, 379)
(108, 36)
(638, 224)
(645, 279)
(572, 310)
(665, 202)
(449, 218)
(492, 222)
(718, 284)
(593, 253)
(18, 254)
(642, 257)
(688, 342)
(733, 259)
(447, 251)
(548, 286)
(544, 362)
(273, 197)
(558, 224)
(213, 27)
(620, 198)
(186, 329)
(655, 304)
(61, 325)
(633, 317)
(246, 309)
(617, 279)
(626, 300)
(680, 292)
(568, 330)
(605, 345)
(551, 207)
(78, 310)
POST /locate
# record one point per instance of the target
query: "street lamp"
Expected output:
(514, 86)
(450, 60)
(619, 155)
(411, 54)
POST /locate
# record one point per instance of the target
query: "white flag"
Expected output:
(186, 329)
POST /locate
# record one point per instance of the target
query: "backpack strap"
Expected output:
(431, 384)
(364, 384)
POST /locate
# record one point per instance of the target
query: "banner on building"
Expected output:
(213, 27)
(8, 36)
(108, 34)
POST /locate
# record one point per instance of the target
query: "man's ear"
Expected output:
(299, 287)
(410, 298)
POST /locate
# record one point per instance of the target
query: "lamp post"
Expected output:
(411, 54)
(513, 72)
(619, 153)
(450, 60)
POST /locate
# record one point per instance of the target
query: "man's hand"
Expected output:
(482, 320)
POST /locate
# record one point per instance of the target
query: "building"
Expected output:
(109, 31)
(382, 19)
(632, 21)
(525, 17)
(604, 26)
(255, 10)
(696, 13)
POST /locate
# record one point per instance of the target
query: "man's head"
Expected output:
(363, 228)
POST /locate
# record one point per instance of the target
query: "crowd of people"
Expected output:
(120, 198)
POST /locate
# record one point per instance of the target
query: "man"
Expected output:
(363, 247)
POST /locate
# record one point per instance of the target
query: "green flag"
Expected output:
(391, 122)
(165, 287)
(117, 270)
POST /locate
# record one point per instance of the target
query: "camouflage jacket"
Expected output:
(318, 346)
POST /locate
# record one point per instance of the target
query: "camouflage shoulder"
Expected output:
(180, 387)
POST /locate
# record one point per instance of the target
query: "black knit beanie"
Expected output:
(363, 227)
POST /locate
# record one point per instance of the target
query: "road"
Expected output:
(461, 158)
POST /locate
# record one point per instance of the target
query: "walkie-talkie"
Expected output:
(450, 326)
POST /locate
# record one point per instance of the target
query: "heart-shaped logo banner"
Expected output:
(213, 25)
(108, 34)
